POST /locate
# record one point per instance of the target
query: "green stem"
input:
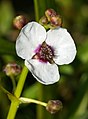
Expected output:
(15, 104)
(4, 90)
(13, 82)
(36, 10)
(21, 82)
(39, 108)
(13, 110)
(27, 100)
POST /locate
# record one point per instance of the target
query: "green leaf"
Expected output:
(83, 52)
(6, 16)
(83, 88)
(67, 69)
(83, 116)
(7, 47)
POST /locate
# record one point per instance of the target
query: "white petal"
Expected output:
(63, 45)
(31, 35)
(45, 73)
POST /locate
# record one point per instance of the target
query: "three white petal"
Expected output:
(31, 36)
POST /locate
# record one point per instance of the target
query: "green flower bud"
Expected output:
(43, 20)
(12, 69)
(19, 22)
(54, 106)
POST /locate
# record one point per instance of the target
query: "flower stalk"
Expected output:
(15, 104)
(27, 100)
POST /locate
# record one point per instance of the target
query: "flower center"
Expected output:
(44, 53)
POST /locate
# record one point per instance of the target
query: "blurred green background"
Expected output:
(72, 89)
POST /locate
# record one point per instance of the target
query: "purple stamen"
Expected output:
(44, 53)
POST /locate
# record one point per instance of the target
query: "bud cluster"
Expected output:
(51, 19)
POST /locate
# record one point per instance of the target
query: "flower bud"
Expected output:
(19, 22)
(50, 13)
(54, 106)
(56, 21)
(12, 69)
(43, 20)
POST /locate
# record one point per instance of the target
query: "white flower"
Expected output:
(43, 51)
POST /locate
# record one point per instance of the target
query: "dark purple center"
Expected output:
(44, 53)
